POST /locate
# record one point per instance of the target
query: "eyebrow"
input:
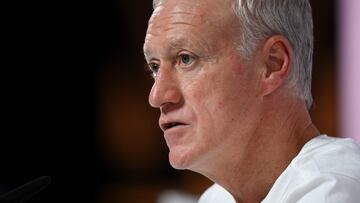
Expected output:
(147, 52)
(173, 43)
(176, 43)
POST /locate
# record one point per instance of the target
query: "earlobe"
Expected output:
(277, 63)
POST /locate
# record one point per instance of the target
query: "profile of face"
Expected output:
(207, 94)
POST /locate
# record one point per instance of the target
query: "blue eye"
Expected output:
(187, 59)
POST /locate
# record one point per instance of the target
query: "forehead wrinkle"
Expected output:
(177, 39)
(172, 26)
(167, 19)
(184, 12)
(197, 44)
(165, 23)
(174, 44)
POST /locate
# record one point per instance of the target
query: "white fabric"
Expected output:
(327, 170)
(175, 196)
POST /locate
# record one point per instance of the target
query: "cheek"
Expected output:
(202, 99)
(228, 101)
(218, 95)
(209, 98)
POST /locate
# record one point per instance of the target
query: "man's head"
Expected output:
(260, 19)
(215, 74)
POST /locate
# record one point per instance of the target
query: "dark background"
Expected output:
(74, 101)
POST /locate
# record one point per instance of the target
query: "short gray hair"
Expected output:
(261, 19)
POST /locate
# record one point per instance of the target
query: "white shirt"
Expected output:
(327, 169)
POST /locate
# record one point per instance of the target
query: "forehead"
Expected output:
(188, 19)
(200, 7)
(184, 8)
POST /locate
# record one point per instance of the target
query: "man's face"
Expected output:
(207, 95)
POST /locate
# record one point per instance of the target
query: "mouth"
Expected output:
(171, 125)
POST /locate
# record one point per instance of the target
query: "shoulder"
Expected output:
(216, 194)
(325, 187)
(326, 170)
(330, 155)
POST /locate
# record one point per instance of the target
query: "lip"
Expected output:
(174, 135)
(167, 125)
(175, 128)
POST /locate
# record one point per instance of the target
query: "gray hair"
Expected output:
(261, 19)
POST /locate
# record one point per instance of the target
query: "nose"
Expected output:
(165, 90)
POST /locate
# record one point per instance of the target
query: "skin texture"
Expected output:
(240, 126)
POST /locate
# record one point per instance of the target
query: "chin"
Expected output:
(181, 159)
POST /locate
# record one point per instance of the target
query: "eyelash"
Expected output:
(155, 66)
(180, 59)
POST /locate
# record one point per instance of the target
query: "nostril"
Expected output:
(164, 92)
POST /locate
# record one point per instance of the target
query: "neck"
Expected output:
(268, 152)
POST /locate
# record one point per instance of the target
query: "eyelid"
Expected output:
(150, 65)
(186, 53)
(182, 53)
(153, 61)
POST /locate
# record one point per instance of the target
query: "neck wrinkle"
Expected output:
(269, 153)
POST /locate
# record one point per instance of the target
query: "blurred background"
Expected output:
(74, 102)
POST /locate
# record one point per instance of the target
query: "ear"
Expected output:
(277, 55)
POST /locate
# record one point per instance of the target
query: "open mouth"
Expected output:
(168, 126)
